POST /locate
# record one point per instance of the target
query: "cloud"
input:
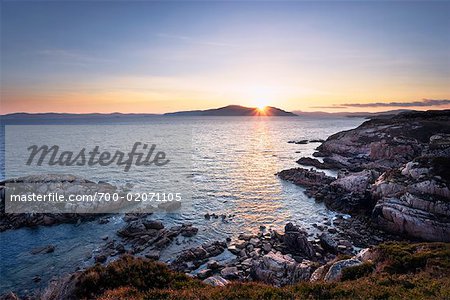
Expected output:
(423, 102)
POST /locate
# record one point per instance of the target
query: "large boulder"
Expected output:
(278, 269)
(297, 242)
(216, 281)
(335, 271)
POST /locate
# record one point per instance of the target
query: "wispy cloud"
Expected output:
(423, 102)
(193, 40)
(71, 56)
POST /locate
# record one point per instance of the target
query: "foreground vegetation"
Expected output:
(398, 271)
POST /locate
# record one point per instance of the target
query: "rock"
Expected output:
(230, 273)
(197, 256)
(10, 296)
(267, 247)
(100, 258)
(216, 281)
(335, 271)
(297, 241)
(254, 241)
(341, 248)
(153, 254)
(332, 230)
(233, 249)
(204, 273)
(301, 142)
(365, 255)
(43, 249)
(189, 231)
(305, 177)
(213, 265)
(120, 248)
(246, 236)
(328, 243)
(170, 206)
(153, 224)
(318, 274)
(413, 202)
(278, 269)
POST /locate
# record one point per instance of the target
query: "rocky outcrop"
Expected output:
(145, 236)
(296, 240)
(39, 213)
(216, 281)
(396, 170)
(279, 269)
(335, 271)
(193, 258)
(387, 143)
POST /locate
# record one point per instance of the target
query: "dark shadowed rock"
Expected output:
(43, 249)
(296, 240)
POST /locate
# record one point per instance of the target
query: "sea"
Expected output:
(232, 162)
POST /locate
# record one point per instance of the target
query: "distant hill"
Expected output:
(319, 114)
(69, 115)
(235, 110)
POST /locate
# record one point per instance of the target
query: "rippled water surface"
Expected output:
(234, 160)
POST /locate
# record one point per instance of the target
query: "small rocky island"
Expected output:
(393, 180)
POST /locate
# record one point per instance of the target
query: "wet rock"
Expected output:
(300, 142)
(328, 243)
(170, 206)
(153, 254)
(213, 265)
(297, 241)
(189, 231)
(43, 249)
(153, 224)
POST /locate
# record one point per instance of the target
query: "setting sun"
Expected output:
(261, 105)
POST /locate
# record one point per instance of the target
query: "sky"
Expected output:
(154, 57)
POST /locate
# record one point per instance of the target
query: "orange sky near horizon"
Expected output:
(157, 57)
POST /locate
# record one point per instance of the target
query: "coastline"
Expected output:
(280, 258)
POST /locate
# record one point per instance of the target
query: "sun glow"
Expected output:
(261, 104)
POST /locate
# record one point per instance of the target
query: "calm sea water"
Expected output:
(234, 160)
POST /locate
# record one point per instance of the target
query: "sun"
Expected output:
(261, 104)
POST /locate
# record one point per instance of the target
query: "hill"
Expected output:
(235, 110)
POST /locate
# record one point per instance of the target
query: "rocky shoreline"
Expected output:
(393, 180)
(394, 170)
